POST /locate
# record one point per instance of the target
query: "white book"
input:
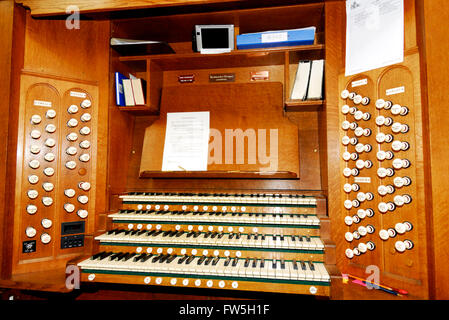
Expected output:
(315, 91)
(128, 89)
(301, 83)
(138, 91)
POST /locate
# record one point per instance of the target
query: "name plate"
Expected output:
(40, 103)
(78, 94)
(222, 77)
(359, 83)
(397, 90)
(362, 180)
(186, 78)
(260, 75)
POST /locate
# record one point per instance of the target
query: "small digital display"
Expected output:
(72, 227)
(215, 38)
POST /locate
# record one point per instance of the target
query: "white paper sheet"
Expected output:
(186, 141)
(374, 34)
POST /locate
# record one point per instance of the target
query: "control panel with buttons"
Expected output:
(380, 128)
(57, 174)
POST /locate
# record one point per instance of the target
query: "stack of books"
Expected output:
(129, 91)
(308, 83)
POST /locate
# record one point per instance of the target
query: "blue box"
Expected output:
(279, 38)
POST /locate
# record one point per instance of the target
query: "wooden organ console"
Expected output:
(355, 187)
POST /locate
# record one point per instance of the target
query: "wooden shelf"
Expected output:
(48, 280)
(219, 174)
(261, 51)
(139, 110)
(298, 105)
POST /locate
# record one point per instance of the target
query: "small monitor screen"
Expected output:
(215, 38)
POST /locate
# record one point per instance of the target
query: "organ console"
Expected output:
(296, 196)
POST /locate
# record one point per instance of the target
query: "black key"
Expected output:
(307, 238)
(134, 232)
(295, 265)
(274, 263)
(207, 235)
(303, 265)
(114, 256)
(282, 237)
(220, 235)
(129, 256)
(231, 235)
(171, 235)
(166, 233)
(180, 233)
(164, 258)
(201, 260)
(136, 259)
(311, 266)
(141, 232)
(246, 264)
(157, 233)
(197, 234)
(234, 262)
(190, 259)
(254, 265)
(238, 235)
(97, 255)
(184, 258)
(215, 261)
(262, 263)
(215, 234)
(158, 257)
(105, 255)
(147, 257)
(227, 261)
(112, 231)
(119, 231)
(293, 238)
(191, 233)
(282, 264)
(208, 260)
(150, 233)
(122, 256)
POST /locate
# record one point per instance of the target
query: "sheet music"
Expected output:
(374, 34)
(186, 141)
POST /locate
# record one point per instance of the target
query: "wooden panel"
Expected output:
(40, 7)
(47, 46)
(9, 122)
(432, 16)
(408, 269)
(241, 285)
(328, 120)
(6, 37)
(38, 95)
(229, 106)
(309, 146)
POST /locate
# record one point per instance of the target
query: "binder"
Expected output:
(119, 91)
(315, 90)
(280, 38)
(138, 86)
(129, 95)
(300, 86)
